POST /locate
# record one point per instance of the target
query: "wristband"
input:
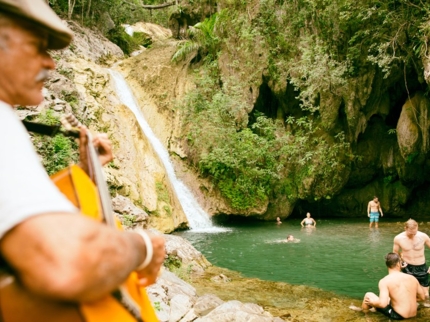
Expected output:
(149, 249)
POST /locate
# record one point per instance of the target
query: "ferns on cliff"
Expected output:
(202, 40)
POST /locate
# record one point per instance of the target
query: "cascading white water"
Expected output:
(197, 218)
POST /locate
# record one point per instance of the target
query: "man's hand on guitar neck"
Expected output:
(102, 144)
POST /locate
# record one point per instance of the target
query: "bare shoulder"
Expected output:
(422, 235)
(385, 280)
(399, 236)
(412, 281)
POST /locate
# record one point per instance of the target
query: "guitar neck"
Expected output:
(98, 176)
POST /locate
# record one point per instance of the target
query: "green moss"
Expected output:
(57, 152)
(162, 192)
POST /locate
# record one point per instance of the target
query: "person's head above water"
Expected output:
(290, 238)
(391, 260)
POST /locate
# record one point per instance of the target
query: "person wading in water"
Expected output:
(373, 210)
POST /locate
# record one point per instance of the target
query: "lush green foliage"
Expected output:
(90, 12)
(250, 164)
(202, 40)
(319, 47)
(59, 151)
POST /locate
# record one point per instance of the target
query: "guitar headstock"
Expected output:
(71, 123)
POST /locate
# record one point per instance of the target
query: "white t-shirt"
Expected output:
(25, 187)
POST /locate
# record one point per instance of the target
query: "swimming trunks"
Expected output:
(389, 311)
(419, 272)
(374, 216)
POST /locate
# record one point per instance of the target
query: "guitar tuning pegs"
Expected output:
(66, 124)
(73, 120)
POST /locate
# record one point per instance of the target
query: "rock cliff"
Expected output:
(83, 85)
(383, 119)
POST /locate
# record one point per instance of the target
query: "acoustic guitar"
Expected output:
(129, 303)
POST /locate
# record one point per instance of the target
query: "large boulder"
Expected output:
(413, 129)
(181, 249)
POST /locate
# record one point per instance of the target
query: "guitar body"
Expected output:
(18, 304)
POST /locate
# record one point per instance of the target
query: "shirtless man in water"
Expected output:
(410, 245)
(373, 210)
(398, 293)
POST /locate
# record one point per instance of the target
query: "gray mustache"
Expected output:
(43, 75)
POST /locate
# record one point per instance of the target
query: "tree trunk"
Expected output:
(155, 6)
(89, 8)
(70, 9)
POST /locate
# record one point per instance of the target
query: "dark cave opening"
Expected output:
(398, 94)
(267, 103)
(275, 105)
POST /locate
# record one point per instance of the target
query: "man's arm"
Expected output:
(368, 209)
(380, 209)
(384, 298)
(396, 246)
(73, 258)
(426, 239)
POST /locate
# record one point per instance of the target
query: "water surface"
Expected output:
(343, 256)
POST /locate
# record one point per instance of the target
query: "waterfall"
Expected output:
(197, 218)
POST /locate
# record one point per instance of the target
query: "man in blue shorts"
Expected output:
(373, 210)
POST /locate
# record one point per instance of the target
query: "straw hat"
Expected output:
(39, 12)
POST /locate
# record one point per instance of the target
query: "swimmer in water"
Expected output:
(291, 239)
(308, 221)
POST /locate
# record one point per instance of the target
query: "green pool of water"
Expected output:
(342, 256)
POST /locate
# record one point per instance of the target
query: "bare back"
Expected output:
(402, 290)
(412, 248)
